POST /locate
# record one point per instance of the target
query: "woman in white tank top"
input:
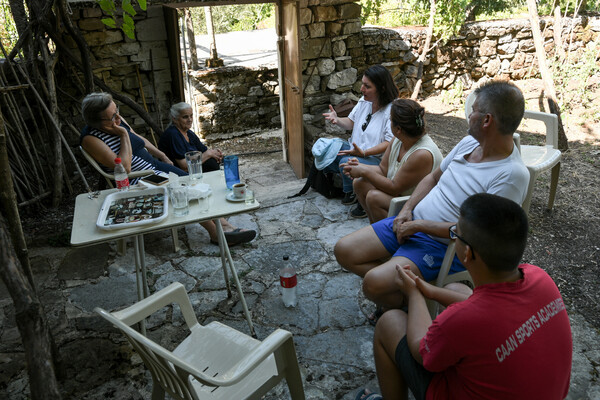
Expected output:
(411, 156)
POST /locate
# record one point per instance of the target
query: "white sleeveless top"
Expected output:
(425, 143)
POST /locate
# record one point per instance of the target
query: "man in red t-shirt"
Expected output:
(510, 339)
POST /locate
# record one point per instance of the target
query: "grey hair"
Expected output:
(177, 108)
(505, 101)
(93, 105)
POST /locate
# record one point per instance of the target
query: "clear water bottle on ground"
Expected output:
(288, 281)
(121, 178)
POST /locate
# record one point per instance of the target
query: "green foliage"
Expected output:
(572, 79)
(8, 29)
(126, 24)
(235, 17)
(546, 7)
(454, 96)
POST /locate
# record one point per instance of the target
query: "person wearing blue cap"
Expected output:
(411, 155)
(369, 121)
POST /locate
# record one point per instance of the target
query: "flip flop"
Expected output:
(237, 236)
(373, 318)
(370, 396)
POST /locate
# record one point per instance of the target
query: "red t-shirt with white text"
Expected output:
(507, 341)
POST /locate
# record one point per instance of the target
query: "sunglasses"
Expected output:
(364, 126)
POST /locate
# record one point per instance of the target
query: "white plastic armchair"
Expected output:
(109, 177)
(536, 158)
(443, 277)
(213, 361)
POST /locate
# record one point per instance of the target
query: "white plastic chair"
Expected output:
(443, 277)
(536, 158)
(214, 361)
(121, 244)
(109, 177)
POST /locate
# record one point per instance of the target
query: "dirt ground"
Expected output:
(564, 241)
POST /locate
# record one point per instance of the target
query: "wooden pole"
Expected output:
(547, 78)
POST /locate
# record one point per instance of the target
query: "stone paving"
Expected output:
(333, 339)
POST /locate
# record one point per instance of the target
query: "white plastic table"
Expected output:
(85, 232)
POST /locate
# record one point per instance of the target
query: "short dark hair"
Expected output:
(408, 115)
(384, 83)
(505, 101)
(93, 105)
(497, 228)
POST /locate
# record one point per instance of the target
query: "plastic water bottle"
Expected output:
(288, 281)
(121, 178)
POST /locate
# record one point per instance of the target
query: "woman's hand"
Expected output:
(331, 116)
(213, 153)
(354, 169)
(354, 151)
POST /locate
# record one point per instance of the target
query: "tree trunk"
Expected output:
(29, 313)
(191, 38)
(17, 9)
(8, 207)
(549, 89)
(558, 43)
(423, 55)
(213, 60)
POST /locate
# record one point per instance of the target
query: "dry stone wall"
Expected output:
(136, 68)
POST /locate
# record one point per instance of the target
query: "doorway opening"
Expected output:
(234, 81)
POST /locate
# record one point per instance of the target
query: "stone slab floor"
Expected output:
(333, 339)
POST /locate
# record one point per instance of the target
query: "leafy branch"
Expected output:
(127, 25)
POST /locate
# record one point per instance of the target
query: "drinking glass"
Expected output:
(249, 197)
(194, 163)
(180, 200)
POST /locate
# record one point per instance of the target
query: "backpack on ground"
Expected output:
(323, 182)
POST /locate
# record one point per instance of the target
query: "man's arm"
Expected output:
(406, 216)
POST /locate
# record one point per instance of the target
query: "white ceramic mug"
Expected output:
(239, 191)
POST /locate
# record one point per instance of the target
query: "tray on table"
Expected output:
(133, 208)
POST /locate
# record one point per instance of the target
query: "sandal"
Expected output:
(374, 317)
(362, 395)
(237, 236)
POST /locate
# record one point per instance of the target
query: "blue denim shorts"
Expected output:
(426, 253)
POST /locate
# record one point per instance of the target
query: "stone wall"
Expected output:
(335, 51)
(482, 50)
(234, 101)
(125, 64)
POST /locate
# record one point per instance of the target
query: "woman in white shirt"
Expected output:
(411, 155)
(369, 121)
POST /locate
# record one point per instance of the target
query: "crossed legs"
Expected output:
(375, 202)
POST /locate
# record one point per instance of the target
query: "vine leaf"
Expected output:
(110, 22)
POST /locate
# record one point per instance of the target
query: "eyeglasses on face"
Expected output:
(364, 126)
(113, 118)
(454, 236)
